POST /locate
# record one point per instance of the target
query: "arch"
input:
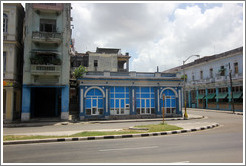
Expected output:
(176, 94)
(94, 87)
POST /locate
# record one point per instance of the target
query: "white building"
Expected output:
(208, 82)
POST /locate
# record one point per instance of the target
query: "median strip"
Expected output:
(108, 136)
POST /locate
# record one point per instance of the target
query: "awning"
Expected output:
(236, 95)
(222, 95)
(211, 96)
(200, 96)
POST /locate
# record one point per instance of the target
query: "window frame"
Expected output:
(5, 23)
(4, 61)
(235, 67)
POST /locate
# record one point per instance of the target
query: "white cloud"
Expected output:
(158, 34)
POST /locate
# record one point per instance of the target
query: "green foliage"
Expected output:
(160, 127)
(79, 72)
(182, 77)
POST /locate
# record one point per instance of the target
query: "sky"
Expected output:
(160, 34)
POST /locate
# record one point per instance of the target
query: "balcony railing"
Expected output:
(50, 37)
(46, 69)
(130, 75)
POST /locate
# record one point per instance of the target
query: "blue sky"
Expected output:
(158, 33)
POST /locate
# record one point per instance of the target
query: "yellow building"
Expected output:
(13, 16)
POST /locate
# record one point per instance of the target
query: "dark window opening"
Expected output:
(4, 61)
(95, 63)
(211, 73)
(222, 71)
(236, 68)
(201, 75)
(47, 25)
(5, 22)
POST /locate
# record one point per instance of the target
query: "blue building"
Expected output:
(122, 95)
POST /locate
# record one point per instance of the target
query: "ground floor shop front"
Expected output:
(219, 98)
(45, 102)
(11, 103)
(124, 102)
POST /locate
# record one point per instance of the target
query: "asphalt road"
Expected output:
(222, 144)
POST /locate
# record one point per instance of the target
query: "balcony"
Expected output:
(46, 69)
(47, 37)
(220, 78)
(237, 76)
(48, 7)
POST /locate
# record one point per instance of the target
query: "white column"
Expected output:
(81, 100)
(106, 100)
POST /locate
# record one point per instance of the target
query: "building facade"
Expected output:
(109, 91)
(13, 16)
(47, 38)
(211, 80)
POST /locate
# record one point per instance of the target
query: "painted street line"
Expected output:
(148, 147)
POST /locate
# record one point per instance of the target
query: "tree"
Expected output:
(79, 72)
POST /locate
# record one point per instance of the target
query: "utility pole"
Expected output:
(163, 109)
(232, 99)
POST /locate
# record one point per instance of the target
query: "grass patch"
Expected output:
(160, 127)
(152, 128)
(101, 133)
(26, 137)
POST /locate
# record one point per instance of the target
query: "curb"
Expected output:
(110, 136)
(106, 121)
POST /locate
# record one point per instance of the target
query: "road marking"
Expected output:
(148, 147)
(182, 162)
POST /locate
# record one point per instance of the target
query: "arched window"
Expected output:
(169, 101)
(94, 102)
(5, 22)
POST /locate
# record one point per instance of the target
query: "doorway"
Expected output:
(45, 102)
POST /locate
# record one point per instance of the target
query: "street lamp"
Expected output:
(232, 99)
(185, 114)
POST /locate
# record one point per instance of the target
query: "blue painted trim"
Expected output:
(156, 99)
(65, 99)
(189, 98)
(135, 101)
(26, 99)
(130, 100)
(43, 86)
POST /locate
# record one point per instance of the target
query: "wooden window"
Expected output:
(236, 68)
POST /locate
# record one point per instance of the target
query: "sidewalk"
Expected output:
(46, 123)
(185, 124)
